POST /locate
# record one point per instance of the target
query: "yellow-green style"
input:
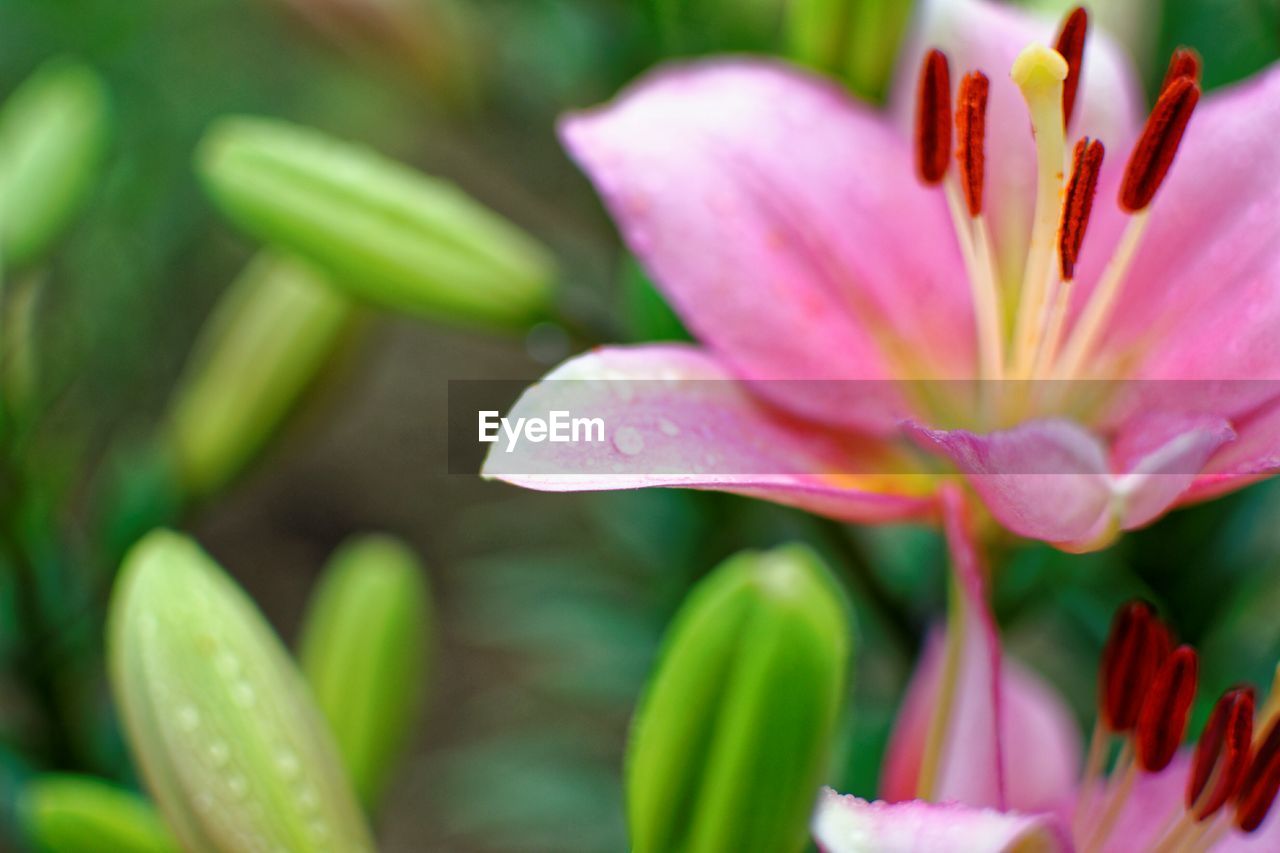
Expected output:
(364, 650)
(72, 814)
(53, 134)
(269, 337)
(218, 718)
(381, 230)
(732, 737)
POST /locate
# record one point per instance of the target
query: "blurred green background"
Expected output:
(551, 606)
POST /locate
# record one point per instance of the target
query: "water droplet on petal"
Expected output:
(628, 440)
(667, 427)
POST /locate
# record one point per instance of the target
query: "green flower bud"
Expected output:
(72, 814)
(53, 133)
(391, 235)
(268, 339)
(732, 737)
(364, 651)
(855, 40)
(218, 718)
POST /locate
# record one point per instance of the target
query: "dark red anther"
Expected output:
(1224, 748)
(1184, 62)
(933, 118)
(1152, 156)
(1078, 203)
(1130, 660)
(971, 130)
(1071, 45)
(1163, 719)
(1261, 782)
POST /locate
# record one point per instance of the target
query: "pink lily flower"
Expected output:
(842, 270)
(1001, 771)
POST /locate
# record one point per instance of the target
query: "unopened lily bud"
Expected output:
(854, 40)
(269, 337)
(72, 814)
(53, 133)
(219, 720)
(364, 651)
(383, 231)
(734, 732)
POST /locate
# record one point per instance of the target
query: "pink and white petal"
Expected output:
(1053, 480)
(1201, 301)
(673, 415)
(978, 35)
(846, 824)
(784, 222)
(1011, 742)
(1254, 455)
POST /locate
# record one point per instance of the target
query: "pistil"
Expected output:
(1039, 72)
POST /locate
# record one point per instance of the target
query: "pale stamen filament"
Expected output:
(979, 261)
(1039, 72)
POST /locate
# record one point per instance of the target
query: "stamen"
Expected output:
(1223, 752)
(1163, 718)
(1129, 664)
(1184, 62)
(1158, 144)
(1071, 45)
(1039, 72)
(1078, 203)
(1261, 782)
(933, 118)
(971, 129)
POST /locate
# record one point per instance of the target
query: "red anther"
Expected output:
(1224, 746)
(933, 118)
(1184, 62)
(1261, 782)
(1163, 719)
(1078, 203)
(1152, 156)
(1071, 45)
(971, 130)
(1130, 660)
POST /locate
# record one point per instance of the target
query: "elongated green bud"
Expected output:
(219, 720)
(733, 734)
(72, 814)
(389, 234)
(53, 133)
(364, 651)
(268, 339)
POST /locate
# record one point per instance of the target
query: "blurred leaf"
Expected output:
(1235, 38)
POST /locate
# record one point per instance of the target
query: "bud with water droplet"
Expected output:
(71, 814)
(734, 732)
(387, 233)
(53, 133)
(269, 337)
(219, 720)
(364, 652)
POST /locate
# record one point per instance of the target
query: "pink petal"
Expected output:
(1254, 454)
(675, 416)
(1052, 479)
(850, 825)
(987, 37)
(1201, 301)
(785, 223)
(1014, 746)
